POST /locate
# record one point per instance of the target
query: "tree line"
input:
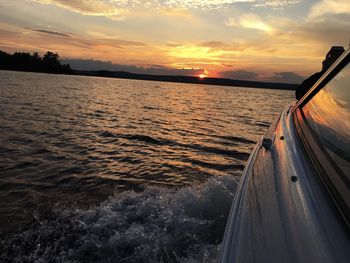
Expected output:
(21, 61)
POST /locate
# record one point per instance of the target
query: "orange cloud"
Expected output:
(112, 9)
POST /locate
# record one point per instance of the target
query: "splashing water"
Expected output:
(156, 225)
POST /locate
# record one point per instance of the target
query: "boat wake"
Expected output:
(156, 225)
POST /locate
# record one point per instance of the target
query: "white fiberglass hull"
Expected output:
(280, 212)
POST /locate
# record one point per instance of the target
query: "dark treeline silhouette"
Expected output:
(21, 61)
(50, 63)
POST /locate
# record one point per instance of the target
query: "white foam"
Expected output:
(156, 225)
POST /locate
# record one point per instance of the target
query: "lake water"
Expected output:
(111, 170)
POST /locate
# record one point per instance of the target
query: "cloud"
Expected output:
(325, 31)
(109, 8)
(275, 3)
(292, 44)
(205, 4)
(125, 51)
(174, 45)
(255, 22)
(90, 64)
(52, 33)
(214, 4)
(327, 7)
(280, 77)
(275, 41)
(120, 42)
(5, 33)
(286, 77)
(119, 9)
(213, 44)
(239, 74)
(251, 21)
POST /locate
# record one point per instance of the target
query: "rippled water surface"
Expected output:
(97, 169)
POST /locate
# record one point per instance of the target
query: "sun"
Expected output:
(205, 74)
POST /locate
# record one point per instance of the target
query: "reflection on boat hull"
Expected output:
(280, 212)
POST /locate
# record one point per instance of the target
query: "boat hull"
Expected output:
(280, 212)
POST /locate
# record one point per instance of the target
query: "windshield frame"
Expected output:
(329, 174)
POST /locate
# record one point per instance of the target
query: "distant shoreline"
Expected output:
(177, 79)
(188, 79)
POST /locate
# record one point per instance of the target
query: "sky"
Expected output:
(272, 40)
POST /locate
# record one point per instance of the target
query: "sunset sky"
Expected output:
(273, 40)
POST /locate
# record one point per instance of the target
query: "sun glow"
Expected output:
(205, 74)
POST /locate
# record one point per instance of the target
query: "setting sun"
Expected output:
(202, 76)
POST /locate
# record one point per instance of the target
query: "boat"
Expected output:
(293, 200)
